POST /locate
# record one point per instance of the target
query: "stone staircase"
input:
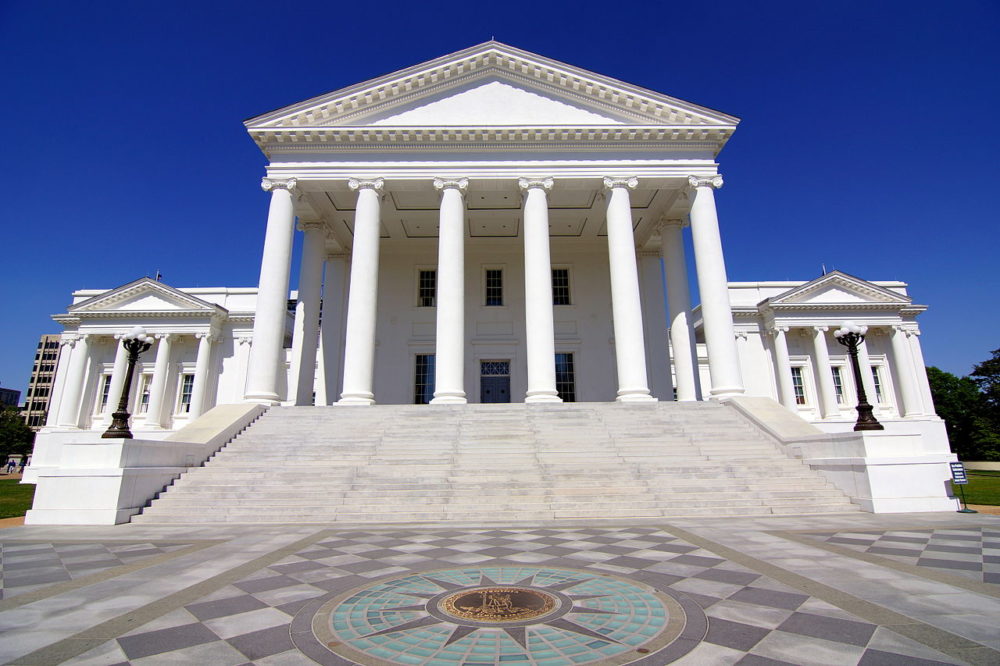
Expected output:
(495, 463)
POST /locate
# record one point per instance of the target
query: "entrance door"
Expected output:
(494, 381)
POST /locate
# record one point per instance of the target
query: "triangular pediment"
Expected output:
(491, 85)
(493, 103)
(838, 289)
(144, 296)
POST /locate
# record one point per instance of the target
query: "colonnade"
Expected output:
(78, 351)
(361, 312)
(906, 363)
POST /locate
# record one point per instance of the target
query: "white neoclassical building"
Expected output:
(491, 226)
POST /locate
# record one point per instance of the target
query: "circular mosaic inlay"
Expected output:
(502, 615)
(498, 604)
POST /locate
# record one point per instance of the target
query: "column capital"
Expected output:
(206, 335)
(820, 329)
(71, 341)
(535, 183)
(665, 224)
(460, 184)
(245, 340)
(774, 330)
(357, 184)
(310, 225)
(715, 182)
(271, 184)
(631, 182)
(740, 335)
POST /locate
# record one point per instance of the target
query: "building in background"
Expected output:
(42, 382)
(9, 397)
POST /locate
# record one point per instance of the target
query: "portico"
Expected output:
(491, 162)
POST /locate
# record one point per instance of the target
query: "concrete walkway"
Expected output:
(831, 589)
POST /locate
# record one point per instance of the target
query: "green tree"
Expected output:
(986, 375)
(966, 412)
(15, 436)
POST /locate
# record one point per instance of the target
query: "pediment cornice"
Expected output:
(109, 304)
(858, 294)
(341, 118)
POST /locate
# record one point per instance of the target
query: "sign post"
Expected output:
(958, 478)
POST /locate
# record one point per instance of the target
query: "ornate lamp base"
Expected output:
(119, 427)
(867, 420)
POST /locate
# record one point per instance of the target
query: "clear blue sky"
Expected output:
(867, 143)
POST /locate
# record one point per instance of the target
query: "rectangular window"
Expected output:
(798, 386)
(105, 390)
(187, 388)
(423, 379)
(838, 383)
(565, 377)
(877, 379)
(560, 286)
(144, 385)
(494, 286)
(426, 289)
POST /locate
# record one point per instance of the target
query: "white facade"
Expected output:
(491, 226)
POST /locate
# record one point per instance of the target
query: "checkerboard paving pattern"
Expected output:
(972, 552)
(29, 566)
(752, 619)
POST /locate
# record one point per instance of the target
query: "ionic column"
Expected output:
(654, 317)
(69, 404)
(713, 286)
(920, 372)
(538, 315)
(685, 358)
(117, 379)
(867, 379)
(359, 345)
(449, 351)
(902, 366)
(158, 387)
(305, 340)
(626, 307)
(786, 392)
(332, 327)
(824, 374)
(201, 366)
(272, 295)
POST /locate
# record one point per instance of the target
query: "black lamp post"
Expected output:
(851, 335)
(135, 342)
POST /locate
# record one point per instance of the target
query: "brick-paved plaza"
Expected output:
(832, 589)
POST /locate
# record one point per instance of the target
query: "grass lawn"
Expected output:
(983, 487)
(15, 498)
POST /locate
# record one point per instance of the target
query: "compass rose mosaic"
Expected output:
(496, 616)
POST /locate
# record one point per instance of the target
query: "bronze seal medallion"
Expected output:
(498, 604)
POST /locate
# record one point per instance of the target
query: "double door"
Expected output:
(494, 380)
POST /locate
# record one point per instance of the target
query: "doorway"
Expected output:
(494, 380)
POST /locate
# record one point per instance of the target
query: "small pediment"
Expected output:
(144, 296)
(838, 289)
(488, 85)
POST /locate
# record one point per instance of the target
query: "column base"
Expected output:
(640, 395)
(356, 399)
(270, 399)
(449, 399)
(539, 396)
(727, 392)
